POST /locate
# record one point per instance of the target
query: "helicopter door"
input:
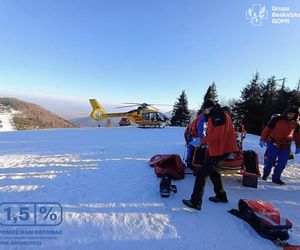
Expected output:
(146, 116)
(152, 117)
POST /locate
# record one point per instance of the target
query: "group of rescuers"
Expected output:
(214, 128)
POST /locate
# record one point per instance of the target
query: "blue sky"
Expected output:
(141, 50)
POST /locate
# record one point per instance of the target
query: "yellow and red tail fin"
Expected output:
(98, 112)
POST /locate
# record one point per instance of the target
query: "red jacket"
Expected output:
(283, 133)
(221, 139)
(193, 127)
(190, 130)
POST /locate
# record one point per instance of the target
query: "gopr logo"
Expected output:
(256, 14)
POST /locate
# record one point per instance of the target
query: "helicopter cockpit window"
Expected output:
(164, 117)
(159, 117)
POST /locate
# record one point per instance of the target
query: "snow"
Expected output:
(110, 196)
(6, 123)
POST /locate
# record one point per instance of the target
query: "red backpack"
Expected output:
(168, 163)
(266, 220)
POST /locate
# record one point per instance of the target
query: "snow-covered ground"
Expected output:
(6, 123)
(110, 196)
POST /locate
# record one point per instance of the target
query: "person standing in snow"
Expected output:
(278, 135)
(221, 141)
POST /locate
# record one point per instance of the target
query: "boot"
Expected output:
(165, 185)
(280, 182)
(222, 197)
(190, 204)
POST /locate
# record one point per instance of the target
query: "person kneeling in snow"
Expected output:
(278, 135)
(221, 141)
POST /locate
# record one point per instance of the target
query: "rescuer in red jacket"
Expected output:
(197, 132)
(221, 141)
(278, 135)
(191, 130)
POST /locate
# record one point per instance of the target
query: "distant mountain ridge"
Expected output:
(31, 116)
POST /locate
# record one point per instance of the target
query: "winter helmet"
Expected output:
(208, 103)
(291, 109)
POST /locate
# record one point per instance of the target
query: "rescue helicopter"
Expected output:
(145, 115)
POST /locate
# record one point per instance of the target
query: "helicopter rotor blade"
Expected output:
(160, 104)
(147, 104)
(143, 105)
(127, 106)
(135, 103)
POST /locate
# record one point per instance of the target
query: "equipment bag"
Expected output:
(251, 168)
(265, 220)
(169, 163)
(251, 162)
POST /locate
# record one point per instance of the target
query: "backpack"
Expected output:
(266, 220)
(217, 116)
(273, 120)
(168, 163)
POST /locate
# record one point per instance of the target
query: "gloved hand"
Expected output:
(297, 150)
(262, 143)
(196, 142)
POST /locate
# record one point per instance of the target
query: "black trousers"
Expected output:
(211, 169)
